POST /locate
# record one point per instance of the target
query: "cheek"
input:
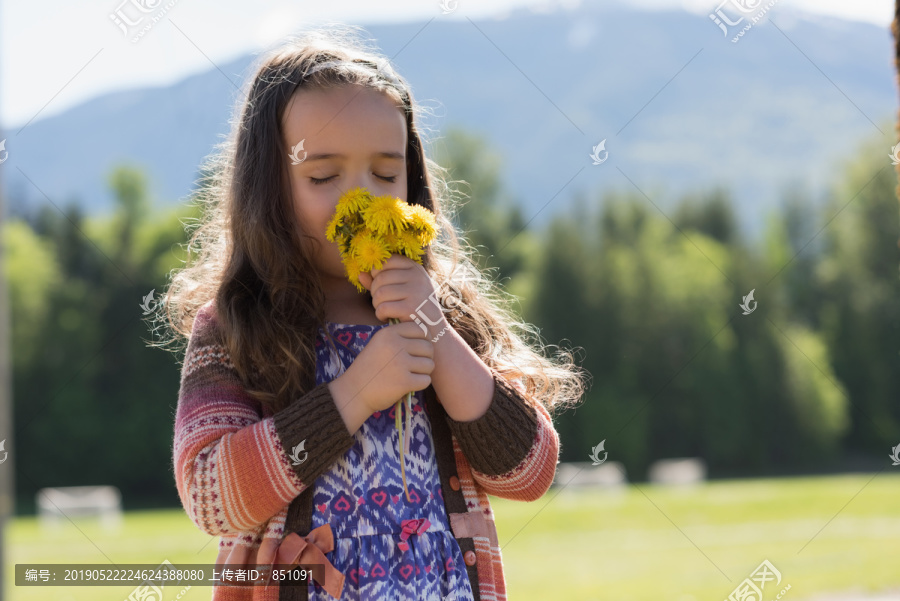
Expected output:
(313, 211)
(320, 215)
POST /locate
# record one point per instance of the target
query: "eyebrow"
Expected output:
(334, 155)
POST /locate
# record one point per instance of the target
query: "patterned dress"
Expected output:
(386, 546)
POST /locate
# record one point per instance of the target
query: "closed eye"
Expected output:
(318, 181)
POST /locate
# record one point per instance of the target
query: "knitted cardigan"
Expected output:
(235, 479)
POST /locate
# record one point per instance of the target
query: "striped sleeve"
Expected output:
(232, 470)
(513, 449)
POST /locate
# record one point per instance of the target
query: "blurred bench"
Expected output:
(610, 474)
(681, 471)
(56, 505)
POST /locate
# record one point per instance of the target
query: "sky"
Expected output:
(55, 54)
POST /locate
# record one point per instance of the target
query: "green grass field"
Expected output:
(644, 543)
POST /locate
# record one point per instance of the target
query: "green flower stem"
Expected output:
(399, 425)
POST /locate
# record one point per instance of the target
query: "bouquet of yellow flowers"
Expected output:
(368, 229)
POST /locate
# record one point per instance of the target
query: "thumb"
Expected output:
(365, 278)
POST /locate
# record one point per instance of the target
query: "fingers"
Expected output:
(390, 277)
(395, 261)
(420, 351)
(409, 329)
(365, 278)
(386, 293)
(420, 348)
(421, 365)
(420, 381)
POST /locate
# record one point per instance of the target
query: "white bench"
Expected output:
(56, 505)
(610, 474)
(680, 471)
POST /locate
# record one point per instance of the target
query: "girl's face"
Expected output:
(352, 136)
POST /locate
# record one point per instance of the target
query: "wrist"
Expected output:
(440, 328)
(350, 402)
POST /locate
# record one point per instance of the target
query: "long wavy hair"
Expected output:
(245, 253)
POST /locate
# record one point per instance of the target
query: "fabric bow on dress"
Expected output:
(417, 526)
(310, 550)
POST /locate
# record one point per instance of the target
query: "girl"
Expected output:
(284, 442)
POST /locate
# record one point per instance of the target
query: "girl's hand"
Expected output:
(398, 290)
(397, 359)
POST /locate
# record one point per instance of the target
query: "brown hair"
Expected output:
(250, 260)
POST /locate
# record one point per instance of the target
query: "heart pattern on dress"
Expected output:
(355, 573)
(346, 501)
(343, 504)
(379, 497)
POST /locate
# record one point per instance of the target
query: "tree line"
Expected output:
(807, 381)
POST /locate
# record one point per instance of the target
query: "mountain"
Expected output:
(680, 106)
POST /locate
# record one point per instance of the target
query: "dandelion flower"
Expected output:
(333, 225)
(368, 229)
(351, 263)
(410, 245)
(355, 200)
(392, 242)
(369, 249)
(421, 219)
(385, 214)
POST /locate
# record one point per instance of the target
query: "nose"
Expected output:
(366, 179)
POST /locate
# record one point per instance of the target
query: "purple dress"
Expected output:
(362, 497)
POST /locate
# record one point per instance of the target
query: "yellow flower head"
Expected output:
(385, 214)
(353, 271)
(392, 242)
(354, 201)
(369, 249)
(411, 245)
(333, 225)
(419, 217)
(368, 229)
(423, 221)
